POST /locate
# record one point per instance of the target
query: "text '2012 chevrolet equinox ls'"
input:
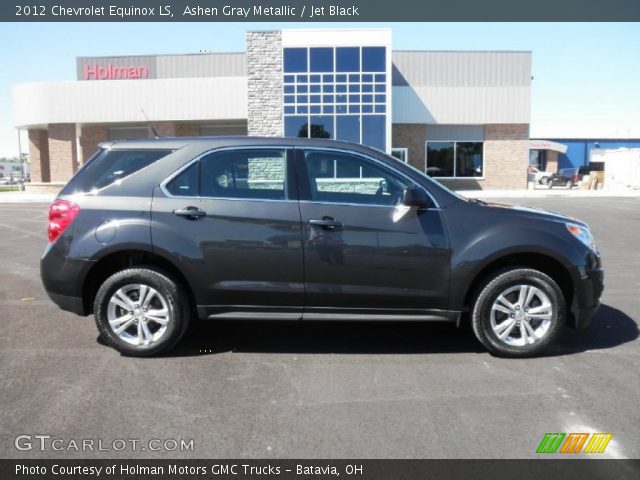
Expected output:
(151, 233)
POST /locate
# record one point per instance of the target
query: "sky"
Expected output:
(586, 76)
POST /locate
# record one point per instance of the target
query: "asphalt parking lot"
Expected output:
(263, 389)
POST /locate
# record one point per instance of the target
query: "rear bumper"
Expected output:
(63, 278)
(68, 304)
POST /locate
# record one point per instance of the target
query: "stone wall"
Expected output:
(264, 83)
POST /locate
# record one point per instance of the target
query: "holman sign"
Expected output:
(113, 72)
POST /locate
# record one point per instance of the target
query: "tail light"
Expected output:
(61, 214)
(575, 178)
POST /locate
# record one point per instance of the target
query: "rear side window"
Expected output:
(109, 166)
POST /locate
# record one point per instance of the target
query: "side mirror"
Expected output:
(416, 197)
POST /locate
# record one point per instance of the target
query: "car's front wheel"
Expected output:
(141, 311)
(518, 312)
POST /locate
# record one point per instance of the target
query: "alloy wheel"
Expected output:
(521, 315)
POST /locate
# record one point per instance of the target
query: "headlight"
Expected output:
(583, 234)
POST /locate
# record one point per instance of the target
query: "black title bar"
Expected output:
(317, 10)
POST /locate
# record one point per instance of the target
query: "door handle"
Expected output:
(326, 222)
(192, 213)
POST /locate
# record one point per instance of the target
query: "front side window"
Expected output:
(250, 174)
(455, 159)
(338, 177)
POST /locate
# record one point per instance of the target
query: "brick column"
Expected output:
(264, 83)
(506, 156)
(91, 136)
(411, 136)
(552, 161)
(39, 156)
(63, 152)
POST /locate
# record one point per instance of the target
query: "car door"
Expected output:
(231, 219)
(364, 253)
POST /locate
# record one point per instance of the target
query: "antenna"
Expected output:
(153, 129)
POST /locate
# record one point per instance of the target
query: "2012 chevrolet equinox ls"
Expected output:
(151, 233)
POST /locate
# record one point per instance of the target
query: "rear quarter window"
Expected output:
(109, 166)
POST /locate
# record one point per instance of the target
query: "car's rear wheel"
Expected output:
(141, 311)
(518, 312)
(568, 184)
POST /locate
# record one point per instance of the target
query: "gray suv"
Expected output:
(150, 234)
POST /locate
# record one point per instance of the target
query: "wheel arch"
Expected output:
(119, 260)
(538, 261)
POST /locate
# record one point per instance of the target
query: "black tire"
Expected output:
(544, 181)
(549, 184)
(175, 299)
(568, 184)
(502, 281)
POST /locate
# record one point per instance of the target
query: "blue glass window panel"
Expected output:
(381, 98)
(365, 98)
(354, 78)
(327, 98)
(322, 126)
(302, 88)
(303, 99)
(302, 110)
(348, 128)
(373, 59)
(341, 109)
(295, 60)
(303, 78)
(341, 88)
(314, 109)
(347, 59)
(354, 108)
(289, 99)
(289, 89)
(321, 59)
(341, 78)
(367, 88)
(289, 110)
(314, 89)
(367, 108)
(354, 98)
(327, 109)
(341, 99)
(381, 88)
(314, 78)
(367, 78)
(289, 78)
(380, 108)
(327, 78)
(327, 88)
(374, 131)
(381, 78)
(314, 99)
(354, 88)
(294, 126)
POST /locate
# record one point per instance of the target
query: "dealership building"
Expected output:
(460, 116)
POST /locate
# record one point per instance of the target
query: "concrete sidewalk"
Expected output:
(26, 197)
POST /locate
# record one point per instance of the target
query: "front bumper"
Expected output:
(586, 298)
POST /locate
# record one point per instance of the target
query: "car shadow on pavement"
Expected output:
(610, 328)
(324, 337)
